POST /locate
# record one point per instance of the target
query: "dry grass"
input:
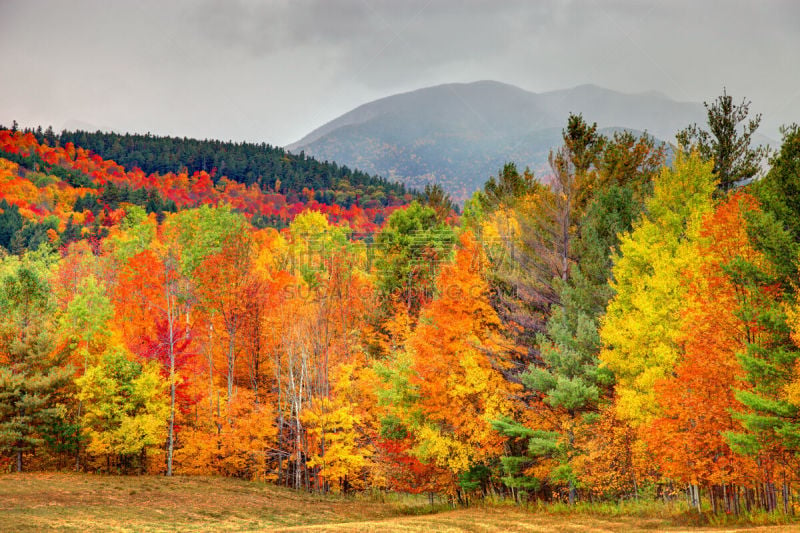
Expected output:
(72, 502)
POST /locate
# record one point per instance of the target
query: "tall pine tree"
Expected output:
(29, 377)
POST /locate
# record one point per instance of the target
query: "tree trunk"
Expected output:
(694, 497)
(171, 438)
(231, 363)
(171, 443)
(78, 443)
(785, 494)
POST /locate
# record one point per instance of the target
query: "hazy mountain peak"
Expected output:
(459, 134)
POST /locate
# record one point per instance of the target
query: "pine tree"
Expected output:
(29, 378)
(568, 378)
(726, 142)
(779, 190)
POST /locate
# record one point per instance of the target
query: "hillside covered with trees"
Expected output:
(617, 329)
(62, 192)
(271, 168)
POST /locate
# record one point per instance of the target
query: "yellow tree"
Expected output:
(641, 327)
(340, 449)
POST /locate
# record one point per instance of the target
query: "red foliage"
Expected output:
(185, 190)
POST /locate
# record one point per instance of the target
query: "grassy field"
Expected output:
(72, 502)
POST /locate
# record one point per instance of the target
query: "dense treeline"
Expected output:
(271, 168)
(61, 193)
(619, 329)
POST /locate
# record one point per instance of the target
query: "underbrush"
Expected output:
(676, 512)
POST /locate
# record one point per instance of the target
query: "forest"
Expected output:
(624, 327)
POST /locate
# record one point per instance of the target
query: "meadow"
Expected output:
(82, 502)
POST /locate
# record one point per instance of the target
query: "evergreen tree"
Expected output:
(437, 199)
(726, 142)
(506, 188)
(779, 190)
(568, 378)
(10, 223)
(771, 421)
(29, 378)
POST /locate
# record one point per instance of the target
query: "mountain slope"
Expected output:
(57, 193)
(271, 168)
(459, 134)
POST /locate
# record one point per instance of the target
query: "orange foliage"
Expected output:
(688, 440)
(457, 358)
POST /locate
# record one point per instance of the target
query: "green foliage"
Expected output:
(272, 168)
(434, 197)
(476, 477)
(520, 458)
(769, 362)
(10, 223)
(202, 232)
(29, 379)
(84, 323)
(505, 189)
(583, 142)
(779, 190)
(567, 375)
(136, 236)
(410, 247)
(726, 143)
(33, 234)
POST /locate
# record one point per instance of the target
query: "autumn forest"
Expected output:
(624, 326)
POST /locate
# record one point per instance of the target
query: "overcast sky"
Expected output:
(273, 71)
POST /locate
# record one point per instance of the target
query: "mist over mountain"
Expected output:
(459, 134)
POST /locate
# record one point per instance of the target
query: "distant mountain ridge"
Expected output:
(459, 134)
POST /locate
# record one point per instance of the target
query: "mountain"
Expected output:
(459, 134)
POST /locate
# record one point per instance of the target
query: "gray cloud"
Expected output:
(273, 71)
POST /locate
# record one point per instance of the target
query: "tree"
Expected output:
(640, 329)
(726, 143)
(410, 247)
(339, 453)
(506, 188)
(567, 379)
(770, 419)
(457, 356)
(29, 378)
(223, 282)
(154, 302)
(239, 447)
(697, 399)
(779, 190)
(437, 199)
(10, 223)
(126, 409)
(536, 237)
(85, 326)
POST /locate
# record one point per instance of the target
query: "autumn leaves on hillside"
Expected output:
(621, 328)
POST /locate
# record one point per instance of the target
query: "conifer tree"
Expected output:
(29, 377)
(568, 378)
(727, 141)
(779, 190)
